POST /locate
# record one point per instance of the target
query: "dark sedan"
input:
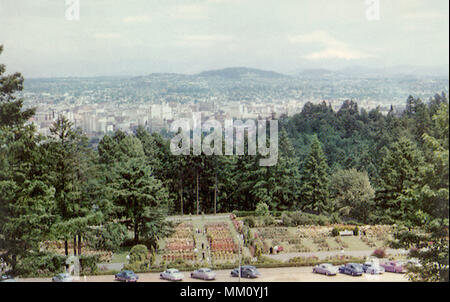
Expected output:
(352, 269)
(127, 276)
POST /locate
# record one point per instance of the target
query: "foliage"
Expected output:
(379, 253)
(250, 221)
(262, 209)
(139, 258)
(109, 237)
(352, 194)
(314, 181)
(300, 218)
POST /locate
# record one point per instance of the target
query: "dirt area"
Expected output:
(286, 274)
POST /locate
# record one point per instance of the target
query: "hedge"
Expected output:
(252, 213)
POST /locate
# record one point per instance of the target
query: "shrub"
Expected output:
(88, 263)
(268, 220)
(335, 232)
(139, 259)
(250, 221)
(379, 253)
(337, 229)
(41, 265)
(138, 253)
(136, 267)
(258, 250)
(262, 209)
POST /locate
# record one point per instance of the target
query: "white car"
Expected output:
(204, 274)
(326, 269)
(172, 274)
(373, 268)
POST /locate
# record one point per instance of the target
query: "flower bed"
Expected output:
(172, 256)
(182, 239)
(219, 237)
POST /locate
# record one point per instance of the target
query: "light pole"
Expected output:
(239, 248)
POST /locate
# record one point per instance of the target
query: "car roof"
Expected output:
(63, 275)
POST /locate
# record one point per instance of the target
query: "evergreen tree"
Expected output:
(314, 181)
(69, 160)
(400, 174)
(26, 200)
(141, 200)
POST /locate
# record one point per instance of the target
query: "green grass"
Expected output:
(355, 244)
(332, 243)
(119, 258)
(310, 245)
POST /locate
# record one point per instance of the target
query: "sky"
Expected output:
(138, 37)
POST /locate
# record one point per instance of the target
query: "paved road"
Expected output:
(285, 274)
(198, 217)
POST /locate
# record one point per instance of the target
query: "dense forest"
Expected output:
(347, 165)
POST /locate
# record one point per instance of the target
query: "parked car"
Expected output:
(63, 277)
(247, 271)
(204, 274)
(394, 267)
(413, 262)
(7, 278)
(353, 269)
(372, 268)
(172, 274)
(127, 276)
(326, 269)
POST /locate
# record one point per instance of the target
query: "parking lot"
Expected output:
(285, 274)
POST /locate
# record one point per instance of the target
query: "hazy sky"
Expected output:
(144, 36)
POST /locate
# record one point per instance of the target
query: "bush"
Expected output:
(258, 250)
(250, 221)
(243, 213)
(41, 265)
(262, 209)
(138, 253)
(268, 221)
(337, 229)
(379, 253)
(136, 267)
(335, 232)
(88, 263)
(139, 259)
(253, 213)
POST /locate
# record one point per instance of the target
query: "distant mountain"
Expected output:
(241, 72)
(361, 71)
(316, 72)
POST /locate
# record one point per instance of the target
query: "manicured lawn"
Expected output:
(120, 256)
(355, 244)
